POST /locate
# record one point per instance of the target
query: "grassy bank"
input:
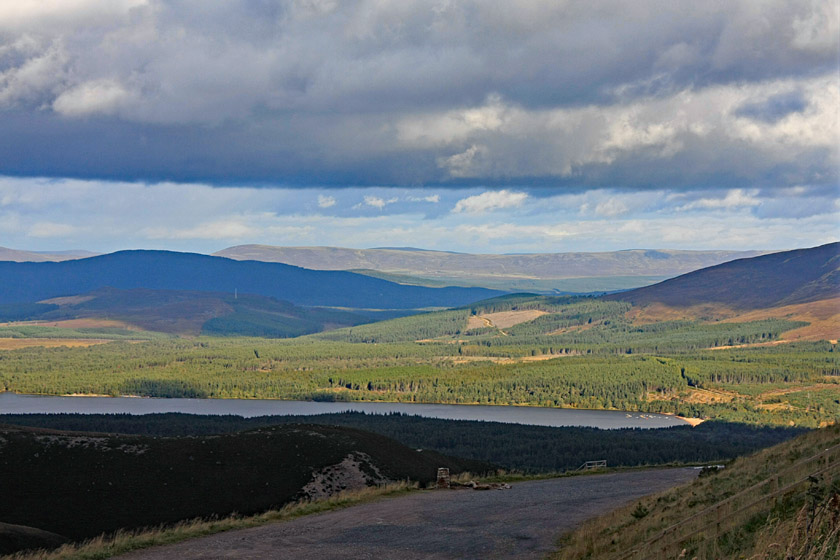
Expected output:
(782, 502)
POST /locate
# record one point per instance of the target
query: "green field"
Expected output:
(581, 353)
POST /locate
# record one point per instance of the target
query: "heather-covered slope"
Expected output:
(789, 277)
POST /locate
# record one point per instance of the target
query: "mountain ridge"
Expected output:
(772, 280)
(17, 255)
(168, 270)
(538, 272)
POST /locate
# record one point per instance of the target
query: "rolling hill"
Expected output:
(774, 280)
(539, 272)
(183, 312)
(29, 282)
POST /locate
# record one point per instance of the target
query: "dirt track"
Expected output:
(457, 524)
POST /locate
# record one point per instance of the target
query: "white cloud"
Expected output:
(375, 201)
(433, 198)
(643, 135)
(378, 202)
(611, 207)
(463, 164)
(488, 201)
(99, 97)
(735, 198)
(325, 201)
(451, 126)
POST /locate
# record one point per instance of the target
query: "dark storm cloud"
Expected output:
(308, 92)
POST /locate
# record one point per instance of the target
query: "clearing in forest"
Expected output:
(17, 343)
(82, 323)
(503, 319)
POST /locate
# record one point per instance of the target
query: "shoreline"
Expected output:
(692, 421)
(614, 419)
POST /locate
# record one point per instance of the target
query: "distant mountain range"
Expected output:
(38, 256)
(164, 270)
(777, 279)
(539, 272)
(546, 273)
(187, 293)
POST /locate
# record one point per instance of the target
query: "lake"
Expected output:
(12, 403)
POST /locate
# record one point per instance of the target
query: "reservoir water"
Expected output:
(12, 403)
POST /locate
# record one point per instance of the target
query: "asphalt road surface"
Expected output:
(521, 523)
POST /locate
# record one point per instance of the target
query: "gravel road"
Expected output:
(520, 523)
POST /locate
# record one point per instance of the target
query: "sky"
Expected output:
(477, 126)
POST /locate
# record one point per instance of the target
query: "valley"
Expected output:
(548, 273)
(748, 369)
(392, 280)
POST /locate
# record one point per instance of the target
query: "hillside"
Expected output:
(777, 279)
(538, 272)
(183, 312)
(164, 270)
(169, 479)
(780, 503)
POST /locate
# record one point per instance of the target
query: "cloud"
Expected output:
(523, 94)
(488, 201)
(465, 164)
(45, 214)
(433, 198)
(611, 207)
(325, 201)
(377, 202)
(100, 97)
(735, 198)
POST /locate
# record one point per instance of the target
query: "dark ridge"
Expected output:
(164, 270)
(82, 484)
(784, 278)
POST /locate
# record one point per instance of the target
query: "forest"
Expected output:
(580, 353)
(530, 449)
